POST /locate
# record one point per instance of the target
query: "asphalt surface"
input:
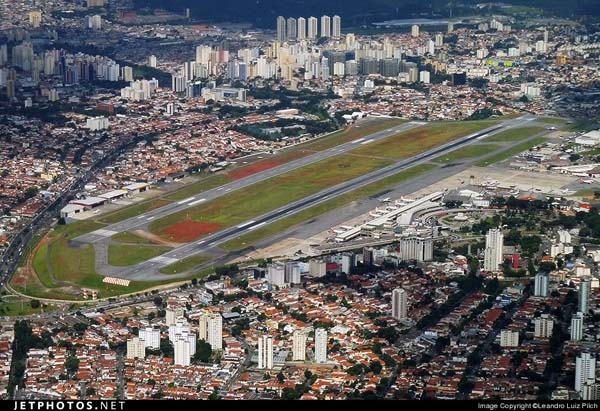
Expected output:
(149, 270)
(143, 219)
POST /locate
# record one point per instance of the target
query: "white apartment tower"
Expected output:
(584, 296)
(182, 351)
(336, 26)
(541, 285)
(543, 326)
(265, 352)
(301, 31)
(299, 346)
(151, 337)
(312, 29)
(577, 326)
(585, 370)
(215, 331)
(320, 345)
(509, 338)
(135, 348)
(281, 29)
(172, 314)
(399, 304)
(414, 30)
(494, 241)
(325, 26)
(292, 28)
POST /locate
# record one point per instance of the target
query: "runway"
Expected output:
(149, 270)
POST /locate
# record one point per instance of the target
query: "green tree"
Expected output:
(203, 351)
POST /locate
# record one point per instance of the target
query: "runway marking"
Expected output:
(197, 201)
(367, 142)
(257, 225)
(201, 242)
(142, 216)
(163, 260)
(245, 224)
(104, 233)
(151, 218)
(359, 140)
(187, 200)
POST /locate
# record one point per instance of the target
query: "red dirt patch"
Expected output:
(189, 230)
(253, 168)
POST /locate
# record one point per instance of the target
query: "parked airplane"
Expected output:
(587, 181)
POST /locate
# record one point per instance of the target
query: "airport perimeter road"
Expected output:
(142, 220)
(149, 270)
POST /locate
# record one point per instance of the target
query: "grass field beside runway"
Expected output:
(473, 151)
(244, 204)
(514, 134)
(327, 206)
(185, 264)
(124, 255)
(418, 140)
(129, 238)
(511, 152)
(133, 210)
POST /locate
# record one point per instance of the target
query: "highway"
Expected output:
(143, 219)
(149, 270)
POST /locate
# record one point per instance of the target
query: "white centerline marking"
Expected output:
(187, 200)
(150, 218)
(245, 224)
(367, 142)
(359, 140)
(257, 225)
(197, 201)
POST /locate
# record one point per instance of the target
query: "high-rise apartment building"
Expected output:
(585, 370)
(336, 26)
(215, 331)
(320, 345)
(577, 326)
(583, 296)
(325, 26)
(299, 345)
(265, 352)
(281, 29)
(494, 242)
(135, 348)
(313, 27)
(540, 288)
(301, 28)
(399, 304)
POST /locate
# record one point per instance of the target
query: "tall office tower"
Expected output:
(172, 314)
(152, 61)
(584, 296)
(151, 337)
(494, 240)
(281, 29)
(35, 19)
(450, 27)
(325, 26)
(215, 331)
(320, 345)
(313, 25)
(414, 30)
(182, 351)
(136, 348)
(585, 369)
(337, 26)
(299, 346)
(399, 304)
(439, 40)
(292, 28)
(540, 288)
(301, 30)
(577, 326)
(543, 326)
(265, 352)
